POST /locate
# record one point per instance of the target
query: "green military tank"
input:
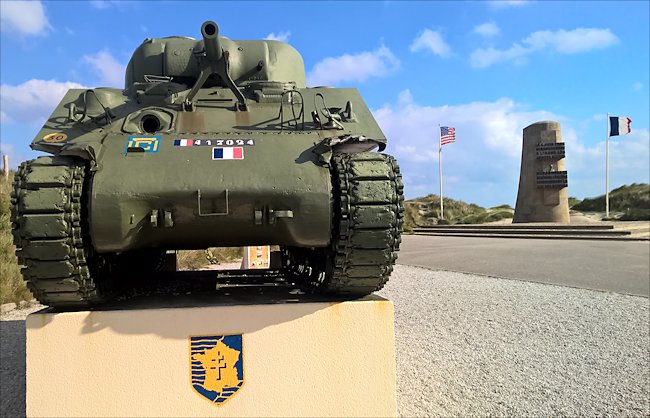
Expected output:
(213, 142)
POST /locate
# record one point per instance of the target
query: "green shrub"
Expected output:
(573, 201)
(456, 211)
(498, 215)
(621, 199)
(637, 214)
(508, 207)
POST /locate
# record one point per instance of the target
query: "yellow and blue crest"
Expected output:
(147, 143)
(216, 366)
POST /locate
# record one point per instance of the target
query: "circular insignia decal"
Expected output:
(55, 137)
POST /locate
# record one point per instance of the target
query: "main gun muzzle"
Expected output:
(212, 45)
(216, 62)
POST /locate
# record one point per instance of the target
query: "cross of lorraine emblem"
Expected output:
(216, 366)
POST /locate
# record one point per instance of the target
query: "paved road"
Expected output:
(617, 266)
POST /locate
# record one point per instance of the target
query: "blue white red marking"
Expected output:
(230, 153)
(183, 142)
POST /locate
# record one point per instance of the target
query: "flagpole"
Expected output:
(607, 168)
(442, 209)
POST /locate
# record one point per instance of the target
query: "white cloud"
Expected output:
(107, 4)
(33, 101)
(484, 57)
(353, 68)
(496, 125)
(15, 156)
(25, 18)
(110, 72)
(572, 41)
(431, 41)
(508, 3)
(485, 159)
(100, 4)
(280, 36)
(561, 41)
(629, 162)
(487, 29)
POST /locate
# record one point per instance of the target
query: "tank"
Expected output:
(212, 143)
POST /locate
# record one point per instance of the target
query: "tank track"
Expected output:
(368, 197)
(48, 211)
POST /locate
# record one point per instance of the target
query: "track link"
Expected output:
(369, 195)
(48, 227)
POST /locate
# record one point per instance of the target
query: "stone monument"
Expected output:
(543, 183)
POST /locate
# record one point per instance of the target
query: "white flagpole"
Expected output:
(442, 209)
(607, 169)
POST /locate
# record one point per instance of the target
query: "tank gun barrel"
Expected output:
(211, 42)
(216, 62)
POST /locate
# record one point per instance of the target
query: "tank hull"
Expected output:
(212, 143)
(189, 193)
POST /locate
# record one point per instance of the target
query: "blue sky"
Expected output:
(487, 68)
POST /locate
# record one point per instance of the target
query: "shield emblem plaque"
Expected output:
(216, 366)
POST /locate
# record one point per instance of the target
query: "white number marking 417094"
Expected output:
(224, 142)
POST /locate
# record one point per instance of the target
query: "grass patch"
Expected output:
(502, 207)
(573, 201)
(12, 285)
(198, 259)
(426, 211)
(485, 217)
(633, 200)
(637, 214)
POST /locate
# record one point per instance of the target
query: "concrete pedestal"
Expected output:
(288, 359)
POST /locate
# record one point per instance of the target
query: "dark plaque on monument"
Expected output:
(552, 179)
(550, 151)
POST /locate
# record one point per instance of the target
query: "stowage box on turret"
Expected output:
(213, 142)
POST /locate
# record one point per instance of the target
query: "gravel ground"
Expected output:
(472, 345)
(12, 361)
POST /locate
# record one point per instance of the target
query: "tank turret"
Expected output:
(180, 57)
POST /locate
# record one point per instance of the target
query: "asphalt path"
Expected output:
(615, 266)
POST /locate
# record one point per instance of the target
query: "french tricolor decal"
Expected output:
(229, 153)
(183, 142)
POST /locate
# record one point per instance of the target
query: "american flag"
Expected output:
(447, 135)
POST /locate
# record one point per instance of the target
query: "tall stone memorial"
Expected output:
(543, 182)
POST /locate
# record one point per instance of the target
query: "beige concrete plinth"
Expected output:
(298, 359)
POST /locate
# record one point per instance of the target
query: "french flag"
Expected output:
(619, 125)
(183, 142)
(229, 153)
